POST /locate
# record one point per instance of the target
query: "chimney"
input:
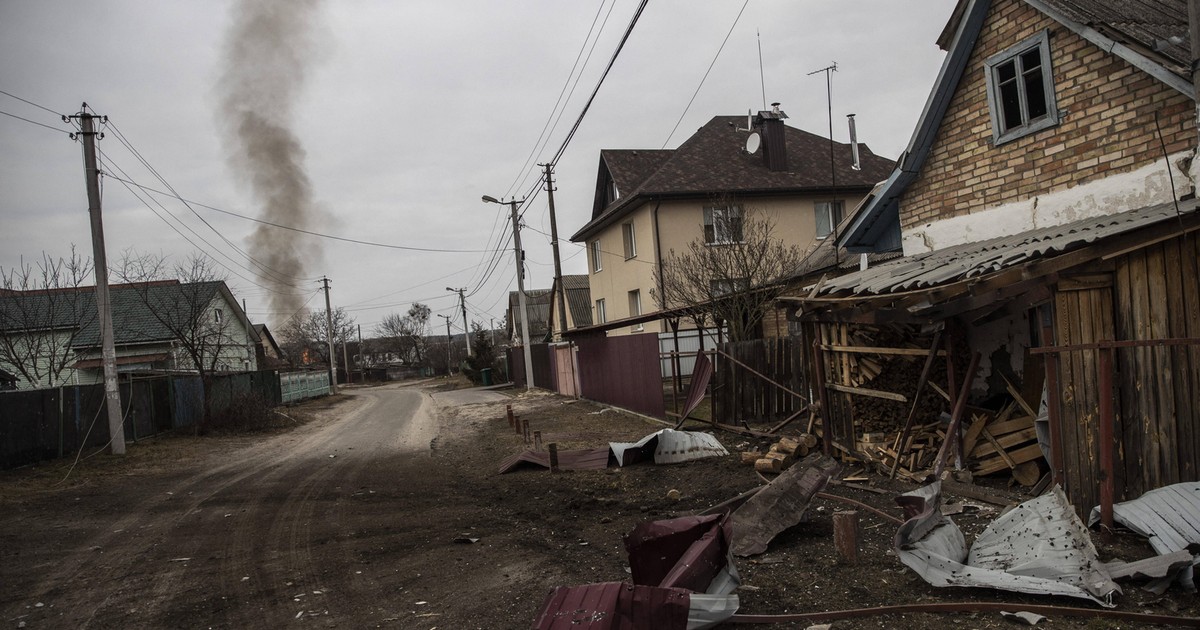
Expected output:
(855, 163)
(770, 124)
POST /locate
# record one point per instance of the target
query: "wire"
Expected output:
(705, 77)
(578, 121)
(34, 122)
(29, 102)
(303, 231)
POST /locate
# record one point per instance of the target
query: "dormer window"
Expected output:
(613, 193)
(1021, 89)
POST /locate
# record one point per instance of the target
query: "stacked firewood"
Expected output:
(781, 454)
(1005, 441)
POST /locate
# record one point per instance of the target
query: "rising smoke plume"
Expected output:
(268, 51)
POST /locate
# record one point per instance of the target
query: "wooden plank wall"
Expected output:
(1082, 314)
(1157, 293)
(741, 396)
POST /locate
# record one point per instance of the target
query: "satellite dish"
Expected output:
(753, 142)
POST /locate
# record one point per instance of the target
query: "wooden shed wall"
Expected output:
(1157, 296)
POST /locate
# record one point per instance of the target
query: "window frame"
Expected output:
(837, 206)
(629, 239)
(601, 312)
(720, 287)
(597, 265)
(711, 224)
(1041, 42)
(635, 300)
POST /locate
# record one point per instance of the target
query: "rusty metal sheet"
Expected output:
(781, 504)
(613, 606)
(668, 446)
(702, 371)
(686, 552)
(584, 459)
(1039, 547)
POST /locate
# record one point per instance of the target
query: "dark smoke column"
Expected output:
(267, 55)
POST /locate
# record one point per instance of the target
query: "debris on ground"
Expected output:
(781, 504)
(1169, 517)
(1039, 547)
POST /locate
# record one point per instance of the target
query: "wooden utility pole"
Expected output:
(329, 337)
(362, 365)
(462, 303)
(562, 291)
(449, 357)
(108, 352)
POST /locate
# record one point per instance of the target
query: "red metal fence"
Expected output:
(623, 371)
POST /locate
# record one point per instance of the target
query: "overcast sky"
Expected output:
(408, 113)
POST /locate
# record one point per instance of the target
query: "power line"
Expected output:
(34, 122)
(29, 102)
(303, 231)
(710, 67)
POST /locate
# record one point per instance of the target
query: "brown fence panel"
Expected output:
(623, 371)
(543, 366)
(741, 396)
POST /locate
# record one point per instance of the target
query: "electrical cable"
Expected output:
(34, 122)
(29, 102)
(706, 72)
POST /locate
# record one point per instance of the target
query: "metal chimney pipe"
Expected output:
(856, 164)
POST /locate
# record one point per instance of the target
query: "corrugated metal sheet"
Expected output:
(701, 372)
(977, 259)
(1040, 547)
(669, 447)
(1168, 516)
(584, 459)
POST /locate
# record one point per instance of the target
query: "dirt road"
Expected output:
(257, 537)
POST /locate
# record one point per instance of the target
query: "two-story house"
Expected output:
(50, 338)
(649, 203)
(1047, 200)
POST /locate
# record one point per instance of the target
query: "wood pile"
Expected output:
(781, 454)
(1005, 441)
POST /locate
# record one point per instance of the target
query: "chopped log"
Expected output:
(767, 465)
(1027, 473)
(786, 445)
(845, 536)
(749, 457)
(808, 440)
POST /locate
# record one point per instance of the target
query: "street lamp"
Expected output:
(516, 225)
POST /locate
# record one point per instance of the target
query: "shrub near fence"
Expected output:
(42, 424)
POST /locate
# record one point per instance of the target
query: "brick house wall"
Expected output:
(1107, 109)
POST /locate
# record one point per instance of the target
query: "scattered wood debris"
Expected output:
(781, 454)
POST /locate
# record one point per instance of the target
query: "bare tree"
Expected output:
(405, 334)
(305, 337)
(185, 301)
(42, 309)
(729, 276)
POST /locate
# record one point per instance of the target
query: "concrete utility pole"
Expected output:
(449, 357)
(562, 291)
(519, 253)
(346, 359)
(108, 352)
(462, 303)
(362, 365)
(329, 337)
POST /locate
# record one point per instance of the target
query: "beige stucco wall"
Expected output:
(680, 223)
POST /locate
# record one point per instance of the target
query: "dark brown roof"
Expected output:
(579, 298)
(714, 161)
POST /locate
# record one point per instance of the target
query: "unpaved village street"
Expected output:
(382, 507)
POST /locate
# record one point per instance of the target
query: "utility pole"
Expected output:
(362, 366)
(449, 359)
(562, 291)
(517, 251)
(346, 359)
(108, 352)
(462, 303)
(329, 336)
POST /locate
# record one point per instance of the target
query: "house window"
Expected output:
(613, 193)
(1021, 89)
(218, 315)
(829, 214)
(635, 307)
(630, 240)
(596, 266)
(600, 315)
(727, 286)
(722, 224)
